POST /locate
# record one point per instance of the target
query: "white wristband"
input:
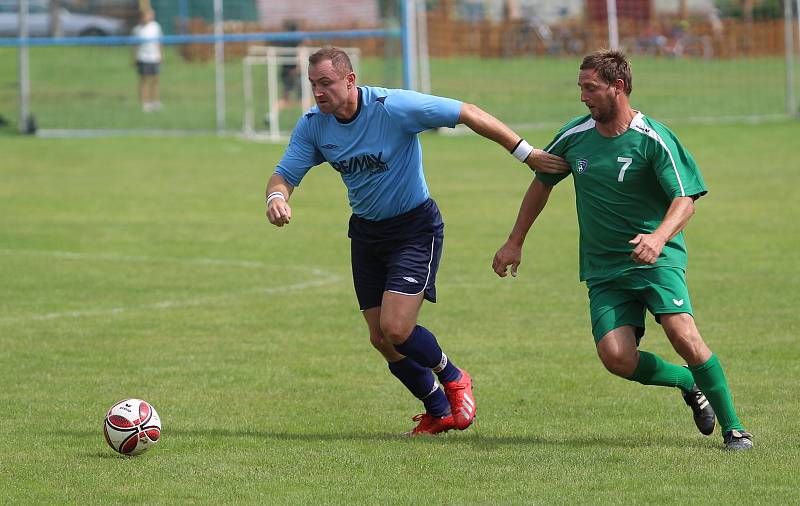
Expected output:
(522, 150)
(275, 195)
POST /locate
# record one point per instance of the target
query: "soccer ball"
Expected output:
(132, 426)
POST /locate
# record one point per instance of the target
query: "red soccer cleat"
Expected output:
(430, 425)
(462, 403)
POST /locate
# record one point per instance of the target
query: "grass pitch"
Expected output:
(144, 268)
(95, 88)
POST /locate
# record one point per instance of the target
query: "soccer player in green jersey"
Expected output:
(635, 187)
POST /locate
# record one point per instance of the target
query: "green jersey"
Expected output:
(623, 187)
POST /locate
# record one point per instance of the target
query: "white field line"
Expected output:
(73, 255)
(318, 278)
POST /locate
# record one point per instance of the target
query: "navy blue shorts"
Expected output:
(399, 254)
(147, 69)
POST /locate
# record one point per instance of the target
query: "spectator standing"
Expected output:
(148, 60)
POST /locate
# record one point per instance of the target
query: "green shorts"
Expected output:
(624, 299)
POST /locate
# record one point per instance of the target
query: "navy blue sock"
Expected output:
(420, 382)
(422, 346)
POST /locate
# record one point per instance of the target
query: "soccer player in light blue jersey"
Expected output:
(369, 136)
(635, 187)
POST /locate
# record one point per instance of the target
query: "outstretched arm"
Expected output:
(511, 252)
(278, 191)
(483, 123)
(647, 247)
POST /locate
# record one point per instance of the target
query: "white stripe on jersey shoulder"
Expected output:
(586, 125)
(638, 124)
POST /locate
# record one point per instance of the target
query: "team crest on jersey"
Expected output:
(581, 164)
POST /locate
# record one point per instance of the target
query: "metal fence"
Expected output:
(87, 84)
(692, 59)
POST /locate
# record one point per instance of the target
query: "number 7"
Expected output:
(626, 162)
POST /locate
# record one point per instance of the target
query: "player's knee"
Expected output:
(620, 364)
(385, 347)
(396, 331)
(685, 339)
(683, 334)
(691, 347)
(376, 340)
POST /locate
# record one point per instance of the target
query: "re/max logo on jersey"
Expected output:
(357, 163)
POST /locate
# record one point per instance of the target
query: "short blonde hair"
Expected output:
(338, 58)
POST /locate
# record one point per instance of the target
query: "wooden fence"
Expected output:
(494, 39)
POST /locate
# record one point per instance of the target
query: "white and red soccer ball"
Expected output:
(132, 426)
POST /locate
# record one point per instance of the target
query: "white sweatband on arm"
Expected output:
(522, 150)
(275, 195)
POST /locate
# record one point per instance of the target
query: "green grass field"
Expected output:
(95, 88)
(144, 268)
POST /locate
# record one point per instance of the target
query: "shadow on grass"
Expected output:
(109, 455)
(473, 438)
(480, 440)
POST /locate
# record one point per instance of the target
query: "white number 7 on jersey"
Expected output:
(626, 162)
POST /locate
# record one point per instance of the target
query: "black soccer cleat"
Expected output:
(703, 413)
(738, 440)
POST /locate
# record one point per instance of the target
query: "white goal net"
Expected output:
(274, 79)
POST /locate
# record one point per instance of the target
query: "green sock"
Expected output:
(654, 370)
(710, 378)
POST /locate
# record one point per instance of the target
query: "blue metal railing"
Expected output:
(129, 40)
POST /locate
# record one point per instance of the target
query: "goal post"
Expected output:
(87, 85)
(274, 59)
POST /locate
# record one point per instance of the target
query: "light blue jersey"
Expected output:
(377, 153)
